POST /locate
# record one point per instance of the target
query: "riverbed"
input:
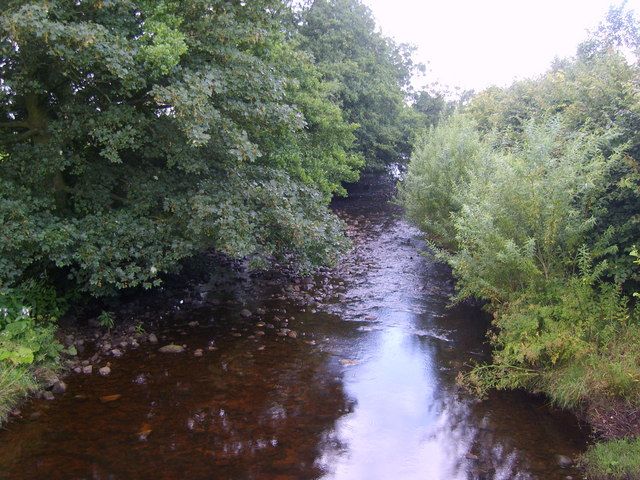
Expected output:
(349, 375)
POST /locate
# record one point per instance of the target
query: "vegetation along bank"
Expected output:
(137, 134)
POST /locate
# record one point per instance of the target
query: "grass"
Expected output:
(613, 460)
(15, 383)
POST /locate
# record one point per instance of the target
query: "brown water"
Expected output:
(366, 391)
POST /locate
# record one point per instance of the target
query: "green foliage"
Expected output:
(520, 222)
(137, 133)
(16, 382)
(106, 320)
(596, 93)
(442, 161)
(27, 339)
(573, 340)
(613, 460)
(371, 75)
(540, 219)
(27, 325)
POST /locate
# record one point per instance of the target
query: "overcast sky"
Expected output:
(476, 43)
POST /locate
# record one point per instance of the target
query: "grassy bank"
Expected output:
(619, 459)
(16, 383)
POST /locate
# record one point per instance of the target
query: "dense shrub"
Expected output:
(442, 161)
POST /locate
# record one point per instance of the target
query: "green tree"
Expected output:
(370, 72)
(139, 132)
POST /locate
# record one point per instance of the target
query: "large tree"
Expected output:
(138, 132)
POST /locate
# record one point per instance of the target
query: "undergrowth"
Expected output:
(28, 316)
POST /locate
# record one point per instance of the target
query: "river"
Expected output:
(349, 376)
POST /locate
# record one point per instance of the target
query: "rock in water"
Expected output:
(153, 338)
(110, 398)
(245, 313)
(171, 348)
(59, 387)
(104, 371)
(564, 461)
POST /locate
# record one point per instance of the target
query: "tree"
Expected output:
(370, 72)
(139, 132)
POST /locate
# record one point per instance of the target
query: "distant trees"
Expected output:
(371, 75)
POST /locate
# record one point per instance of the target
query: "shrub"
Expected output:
(522, 217)
(442, 161)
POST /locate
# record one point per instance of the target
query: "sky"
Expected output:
(473, 44)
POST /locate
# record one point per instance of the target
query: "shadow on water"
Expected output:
(367, 391)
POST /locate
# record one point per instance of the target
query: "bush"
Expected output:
(28, 317)
(574, 340)
(520, 219)
(442, 161)
(27, 325)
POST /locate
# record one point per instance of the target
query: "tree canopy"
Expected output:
(138, 132)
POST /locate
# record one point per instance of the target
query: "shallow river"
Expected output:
(365, 391)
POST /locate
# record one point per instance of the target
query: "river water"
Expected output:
(365, 391)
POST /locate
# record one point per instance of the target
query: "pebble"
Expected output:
(48, 395)
(59, 387)
(245, 313)
(110, 398)
(348, 363)
(193, 324)
(564, 461)
(292, 334)
(198, 352)
(88, 370)
(104, 371)
(171, 348)
(153, 338)
(116, 352)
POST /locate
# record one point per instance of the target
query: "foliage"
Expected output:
(106, 320)
(572, 340)
(370, 72)
(138, 133)
(442, 161)
(520, 222)
(597, 92)
(540, 218)
(15, 383)
(613, 460)
(27, 325)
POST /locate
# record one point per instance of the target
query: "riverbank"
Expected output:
(321, 377)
